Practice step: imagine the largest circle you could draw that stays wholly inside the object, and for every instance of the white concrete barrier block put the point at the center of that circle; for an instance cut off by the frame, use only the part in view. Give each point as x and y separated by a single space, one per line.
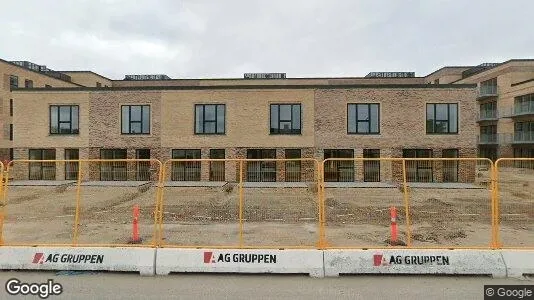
172 260
518 263
121 259
404 261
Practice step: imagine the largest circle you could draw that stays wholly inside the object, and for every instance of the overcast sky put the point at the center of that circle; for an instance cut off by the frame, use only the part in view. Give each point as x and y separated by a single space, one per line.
226 38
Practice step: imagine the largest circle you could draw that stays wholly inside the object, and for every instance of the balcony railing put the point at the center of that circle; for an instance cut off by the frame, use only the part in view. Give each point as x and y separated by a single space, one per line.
488 115
524 137
520 110
486 91
496 138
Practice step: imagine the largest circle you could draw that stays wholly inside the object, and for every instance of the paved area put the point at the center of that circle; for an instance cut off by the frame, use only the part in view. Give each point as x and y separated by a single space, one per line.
205 286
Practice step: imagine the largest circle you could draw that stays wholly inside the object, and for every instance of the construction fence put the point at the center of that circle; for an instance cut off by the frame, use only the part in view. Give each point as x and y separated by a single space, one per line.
269 203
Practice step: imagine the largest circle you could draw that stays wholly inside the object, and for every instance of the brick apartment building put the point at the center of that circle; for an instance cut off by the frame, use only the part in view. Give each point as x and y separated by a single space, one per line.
50 114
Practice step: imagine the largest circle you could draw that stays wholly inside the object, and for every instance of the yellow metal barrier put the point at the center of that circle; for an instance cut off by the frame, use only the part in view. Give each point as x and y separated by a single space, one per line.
514 205
241 203
81 202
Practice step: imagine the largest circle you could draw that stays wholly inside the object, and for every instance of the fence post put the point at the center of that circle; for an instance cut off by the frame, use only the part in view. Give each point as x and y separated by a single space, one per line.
495 211
406 205
321 203
77 212
241 204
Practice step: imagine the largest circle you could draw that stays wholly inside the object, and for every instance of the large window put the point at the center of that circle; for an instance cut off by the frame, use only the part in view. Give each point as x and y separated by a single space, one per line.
450 168
135 119
186 170
64 119
371 168
71 168
42 170
11 107
524 152
442 118
10 132
261 171
418 170
143 167
217 167
292 167
524 104
363 118
113 170
210 118
339 170
286 119
13 81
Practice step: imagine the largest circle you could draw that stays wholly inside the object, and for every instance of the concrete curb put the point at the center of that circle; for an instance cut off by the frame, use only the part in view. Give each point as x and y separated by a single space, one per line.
518 263
121 259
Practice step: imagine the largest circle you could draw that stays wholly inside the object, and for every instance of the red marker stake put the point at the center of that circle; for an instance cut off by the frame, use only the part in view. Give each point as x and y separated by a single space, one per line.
393 212
135 237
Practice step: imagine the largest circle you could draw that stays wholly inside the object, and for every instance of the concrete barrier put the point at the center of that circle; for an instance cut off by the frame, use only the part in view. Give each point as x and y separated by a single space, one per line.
171 260
404 261
518 263
123 259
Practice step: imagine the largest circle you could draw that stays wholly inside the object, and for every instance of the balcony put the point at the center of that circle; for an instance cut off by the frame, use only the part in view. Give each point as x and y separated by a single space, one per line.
488 115
494 139
487 91
523 110
524 137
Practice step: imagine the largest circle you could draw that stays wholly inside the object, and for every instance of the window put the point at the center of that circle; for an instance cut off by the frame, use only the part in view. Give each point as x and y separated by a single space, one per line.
292 167
217 167
488 87
210 118
11 107
339 170
488 134
135 119
286 119
450 168
10 132
98 84
442 118
524 132
524 152
42 170
64 119
13 81
488 110
11 154
524 104
28 83
418 170
261 171
371 168
186 170
363 118
488 152
71 168
143 167
113 170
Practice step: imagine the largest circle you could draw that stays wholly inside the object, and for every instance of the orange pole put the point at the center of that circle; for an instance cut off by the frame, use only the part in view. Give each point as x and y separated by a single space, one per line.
393 213
135 237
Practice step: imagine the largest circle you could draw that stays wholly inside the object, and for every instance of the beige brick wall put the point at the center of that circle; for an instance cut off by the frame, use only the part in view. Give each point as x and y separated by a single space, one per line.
402 118
88 78
247 118
32 119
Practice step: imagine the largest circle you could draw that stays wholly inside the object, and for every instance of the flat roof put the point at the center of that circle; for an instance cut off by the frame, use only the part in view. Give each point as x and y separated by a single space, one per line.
40 73
251 87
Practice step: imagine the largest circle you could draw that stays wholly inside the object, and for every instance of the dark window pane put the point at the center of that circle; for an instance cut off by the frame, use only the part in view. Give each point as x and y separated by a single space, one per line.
363 112
441 111
374 118
64 127
209 112
199 119
363 127
221 118
146 119
209 127
125 119
135 113
351 115
285 112
274 117
296 117
75 121
453 117
64 113
135 127
54 119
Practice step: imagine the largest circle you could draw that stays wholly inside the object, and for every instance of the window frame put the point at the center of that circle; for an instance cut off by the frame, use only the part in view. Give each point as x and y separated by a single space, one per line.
11 132
141 122
11 107
196 131
273 131
434 120
363 121
13 79
59 122
28 83
69 166
114 165
196 166
42 165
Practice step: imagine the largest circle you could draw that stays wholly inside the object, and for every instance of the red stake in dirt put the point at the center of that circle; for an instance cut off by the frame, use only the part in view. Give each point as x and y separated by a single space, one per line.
135 237
393 212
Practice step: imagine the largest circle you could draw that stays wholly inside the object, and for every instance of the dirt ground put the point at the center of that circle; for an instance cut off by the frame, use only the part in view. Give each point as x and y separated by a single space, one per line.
355 217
